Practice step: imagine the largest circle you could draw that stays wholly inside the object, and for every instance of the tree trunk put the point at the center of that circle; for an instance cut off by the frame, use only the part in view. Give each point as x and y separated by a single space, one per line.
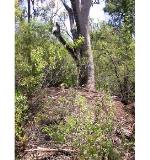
29 11
83 56
86 76
86 70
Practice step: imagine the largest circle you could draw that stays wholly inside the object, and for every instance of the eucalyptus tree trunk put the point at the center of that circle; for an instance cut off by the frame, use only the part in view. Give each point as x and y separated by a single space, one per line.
86 75
79 26
29 11
28 50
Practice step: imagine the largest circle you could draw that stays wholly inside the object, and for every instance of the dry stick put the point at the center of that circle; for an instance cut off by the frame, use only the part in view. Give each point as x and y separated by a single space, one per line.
50 150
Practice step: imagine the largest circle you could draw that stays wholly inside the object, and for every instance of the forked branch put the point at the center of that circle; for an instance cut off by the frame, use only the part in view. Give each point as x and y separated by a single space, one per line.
57 34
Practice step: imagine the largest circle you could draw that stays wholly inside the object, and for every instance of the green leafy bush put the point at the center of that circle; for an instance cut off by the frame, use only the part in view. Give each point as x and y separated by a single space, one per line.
114 61
40 59
20 115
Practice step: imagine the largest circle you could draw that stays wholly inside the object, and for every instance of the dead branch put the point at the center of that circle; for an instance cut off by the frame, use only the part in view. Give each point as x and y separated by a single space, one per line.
51 150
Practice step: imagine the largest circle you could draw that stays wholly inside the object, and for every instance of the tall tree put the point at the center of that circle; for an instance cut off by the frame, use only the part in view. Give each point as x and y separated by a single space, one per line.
79 27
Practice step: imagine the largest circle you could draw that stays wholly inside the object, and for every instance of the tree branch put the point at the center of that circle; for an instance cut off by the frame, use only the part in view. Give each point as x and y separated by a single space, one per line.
61 39
72 20
51 150
76 7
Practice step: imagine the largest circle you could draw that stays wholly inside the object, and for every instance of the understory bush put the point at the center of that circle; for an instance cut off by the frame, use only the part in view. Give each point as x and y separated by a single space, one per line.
20 116
114 61
40 60
88 128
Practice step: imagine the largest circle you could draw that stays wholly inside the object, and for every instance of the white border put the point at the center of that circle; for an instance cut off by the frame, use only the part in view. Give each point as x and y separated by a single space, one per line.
142 132
7 80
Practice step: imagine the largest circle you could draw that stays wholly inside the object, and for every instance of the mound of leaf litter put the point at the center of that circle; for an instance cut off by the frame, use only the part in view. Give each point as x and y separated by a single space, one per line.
75 124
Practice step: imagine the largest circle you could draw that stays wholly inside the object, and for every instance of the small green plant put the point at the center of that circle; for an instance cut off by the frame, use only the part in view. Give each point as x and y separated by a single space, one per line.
20 116
77 42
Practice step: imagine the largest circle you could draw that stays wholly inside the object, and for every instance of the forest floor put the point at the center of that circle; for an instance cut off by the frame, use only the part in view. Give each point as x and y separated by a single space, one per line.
44 111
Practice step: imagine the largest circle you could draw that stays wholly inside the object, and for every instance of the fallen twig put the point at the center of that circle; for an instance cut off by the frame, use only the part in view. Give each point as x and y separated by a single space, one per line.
50 150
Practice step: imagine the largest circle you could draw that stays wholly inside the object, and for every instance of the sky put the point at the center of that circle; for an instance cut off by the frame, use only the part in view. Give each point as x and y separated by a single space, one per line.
97 13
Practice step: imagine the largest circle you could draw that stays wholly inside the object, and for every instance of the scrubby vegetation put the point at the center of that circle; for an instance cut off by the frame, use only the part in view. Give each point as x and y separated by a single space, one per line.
71 119
114 61
82 127
53 111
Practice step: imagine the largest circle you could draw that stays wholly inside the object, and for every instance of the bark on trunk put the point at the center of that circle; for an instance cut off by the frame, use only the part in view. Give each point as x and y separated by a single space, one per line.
83 56
29 11
87 68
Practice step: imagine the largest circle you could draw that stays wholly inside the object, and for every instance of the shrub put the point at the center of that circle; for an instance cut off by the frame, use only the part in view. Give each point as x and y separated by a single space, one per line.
87 128
114 61
20 116
40 59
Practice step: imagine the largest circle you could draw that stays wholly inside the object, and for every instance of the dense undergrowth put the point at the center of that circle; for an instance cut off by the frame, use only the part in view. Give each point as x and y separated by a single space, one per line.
21 116
83 126
73 119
